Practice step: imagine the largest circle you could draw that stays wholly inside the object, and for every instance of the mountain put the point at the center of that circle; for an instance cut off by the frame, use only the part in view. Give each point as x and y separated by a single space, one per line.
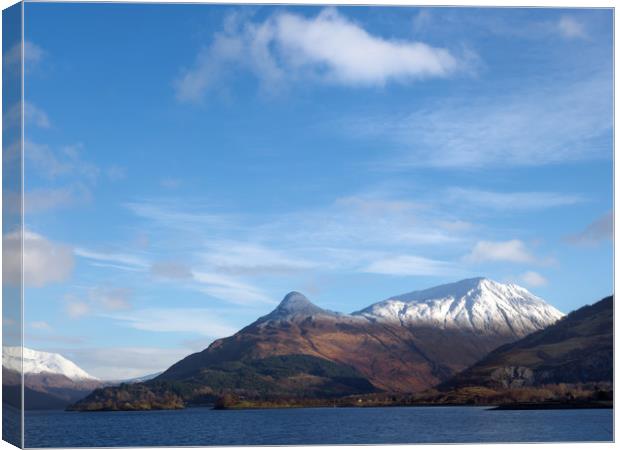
399 345
51 381
576 349
478 305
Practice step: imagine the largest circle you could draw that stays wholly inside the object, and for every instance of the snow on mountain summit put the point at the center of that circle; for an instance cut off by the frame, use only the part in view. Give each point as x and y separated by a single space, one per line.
36 362
477 304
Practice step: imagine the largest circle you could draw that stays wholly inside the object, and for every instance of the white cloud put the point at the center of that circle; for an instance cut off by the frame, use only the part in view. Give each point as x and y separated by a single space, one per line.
44 261
511 251
533 279
601 229
328 48
410 265
511 201
570 27
345 53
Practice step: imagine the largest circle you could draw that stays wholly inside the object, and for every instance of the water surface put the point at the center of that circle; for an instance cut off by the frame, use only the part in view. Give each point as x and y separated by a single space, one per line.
203 426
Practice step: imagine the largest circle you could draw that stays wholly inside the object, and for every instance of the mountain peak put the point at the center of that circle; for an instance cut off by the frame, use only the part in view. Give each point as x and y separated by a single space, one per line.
294 300
295 304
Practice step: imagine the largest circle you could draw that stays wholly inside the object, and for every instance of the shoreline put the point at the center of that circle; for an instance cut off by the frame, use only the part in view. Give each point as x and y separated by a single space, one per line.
522 406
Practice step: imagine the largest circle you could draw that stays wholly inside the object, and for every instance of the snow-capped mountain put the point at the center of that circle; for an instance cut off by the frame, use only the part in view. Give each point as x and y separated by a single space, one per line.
38 362
477 304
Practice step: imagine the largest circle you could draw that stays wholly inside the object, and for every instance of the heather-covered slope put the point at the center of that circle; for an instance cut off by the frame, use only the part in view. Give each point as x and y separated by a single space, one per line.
577 349
276 377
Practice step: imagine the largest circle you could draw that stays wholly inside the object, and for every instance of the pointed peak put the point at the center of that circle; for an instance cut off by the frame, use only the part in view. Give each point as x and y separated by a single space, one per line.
294 299
295 304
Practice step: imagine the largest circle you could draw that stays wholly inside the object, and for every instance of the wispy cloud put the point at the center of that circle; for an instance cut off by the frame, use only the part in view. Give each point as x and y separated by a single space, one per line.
512 201
75 307
234 257
33 54
167 214
64 162
548 124
229 288
410 265
600 230
96 299
32 114
203 321
326 48
120 259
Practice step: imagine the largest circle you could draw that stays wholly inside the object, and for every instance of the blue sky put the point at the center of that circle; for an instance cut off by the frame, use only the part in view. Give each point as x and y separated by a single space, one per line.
188 165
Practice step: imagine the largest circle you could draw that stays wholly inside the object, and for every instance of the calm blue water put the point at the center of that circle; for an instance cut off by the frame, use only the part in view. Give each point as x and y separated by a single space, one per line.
202 426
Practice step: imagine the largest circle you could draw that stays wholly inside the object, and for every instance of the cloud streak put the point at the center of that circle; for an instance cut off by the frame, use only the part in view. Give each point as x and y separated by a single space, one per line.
203 321
410 265
538 126
511 201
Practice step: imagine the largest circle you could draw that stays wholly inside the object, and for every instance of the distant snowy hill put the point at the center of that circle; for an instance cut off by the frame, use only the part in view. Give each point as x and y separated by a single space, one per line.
51 381
477 304
140 379
38 362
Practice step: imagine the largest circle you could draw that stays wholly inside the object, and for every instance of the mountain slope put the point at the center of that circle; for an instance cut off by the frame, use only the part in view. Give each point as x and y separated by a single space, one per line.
577 349
272 378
